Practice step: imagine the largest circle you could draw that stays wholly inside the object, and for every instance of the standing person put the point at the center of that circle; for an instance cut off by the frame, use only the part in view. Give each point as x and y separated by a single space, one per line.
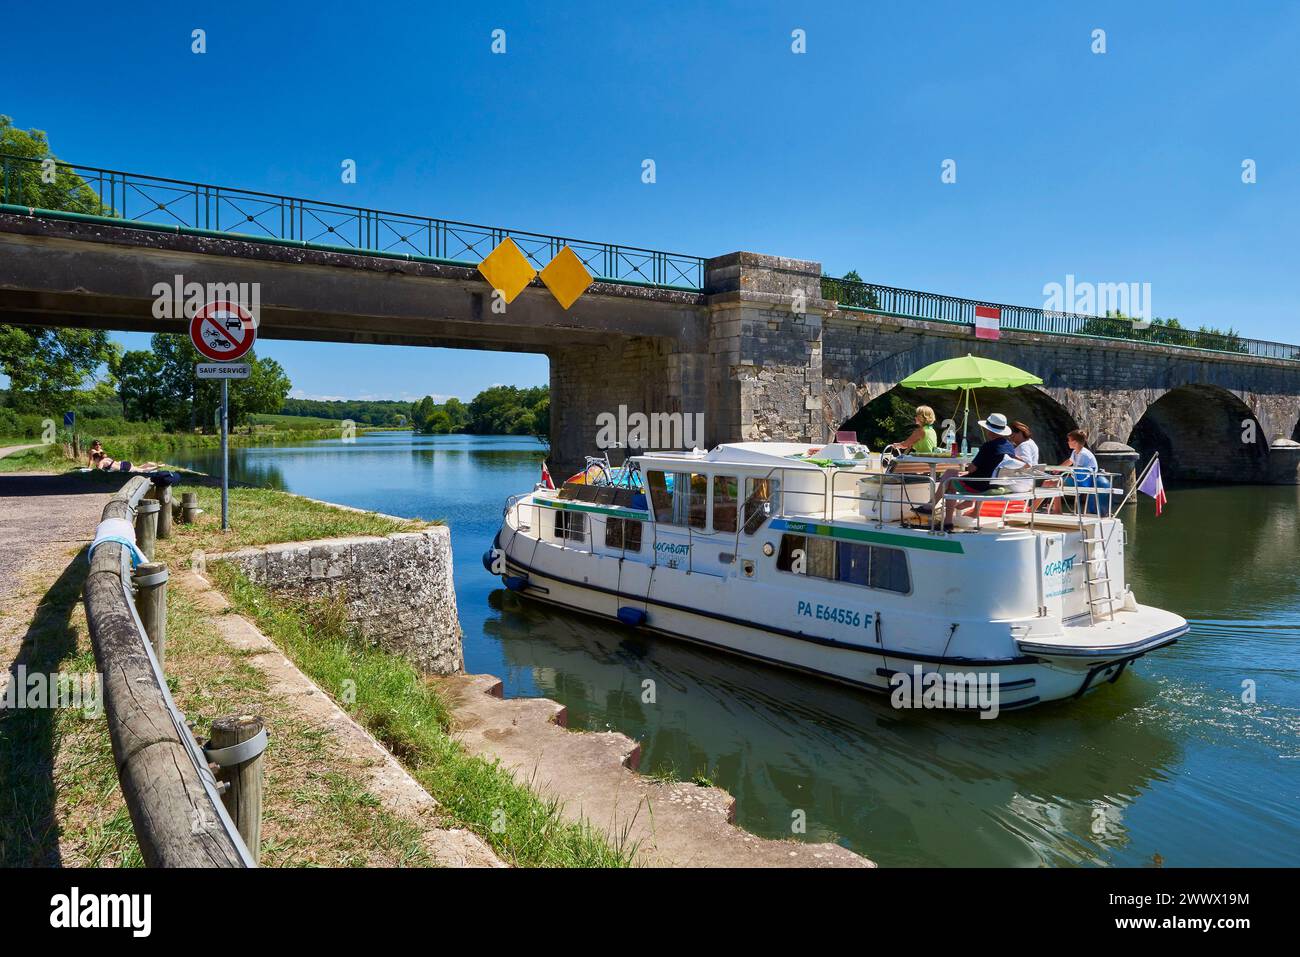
997 446
922 441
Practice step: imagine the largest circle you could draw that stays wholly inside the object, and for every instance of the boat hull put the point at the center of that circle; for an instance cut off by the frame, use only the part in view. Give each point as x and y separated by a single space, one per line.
986 685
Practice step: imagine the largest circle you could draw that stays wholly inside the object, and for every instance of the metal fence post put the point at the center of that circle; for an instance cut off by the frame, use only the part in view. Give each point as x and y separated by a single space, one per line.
150 580
146 525
237 746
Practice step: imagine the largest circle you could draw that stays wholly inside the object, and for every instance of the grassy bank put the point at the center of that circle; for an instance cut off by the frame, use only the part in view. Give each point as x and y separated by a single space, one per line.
43 458
264 516
392 700
409 718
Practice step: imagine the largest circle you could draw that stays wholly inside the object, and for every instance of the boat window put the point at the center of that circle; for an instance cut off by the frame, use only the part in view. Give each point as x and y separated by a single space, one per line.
802 555
889 569
726 490
681 497
699 501
623 533
661 497
872 566
570 526
762 500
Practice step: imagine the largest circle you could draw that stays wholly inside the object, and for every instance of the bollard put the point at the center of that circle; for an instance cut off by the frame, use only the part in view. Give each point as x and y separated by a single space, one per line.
164 496
241 769
189 507
146 526
150 581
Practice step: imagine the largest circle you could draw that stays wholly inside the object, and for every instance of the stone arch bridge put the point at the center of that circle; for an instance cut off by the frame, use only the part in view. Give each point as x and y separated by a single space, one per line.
756 347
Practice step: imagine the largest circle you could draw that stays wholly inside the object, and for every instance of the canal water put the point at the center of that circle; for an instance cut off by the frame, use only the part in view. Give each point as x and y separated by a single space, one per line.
1174 765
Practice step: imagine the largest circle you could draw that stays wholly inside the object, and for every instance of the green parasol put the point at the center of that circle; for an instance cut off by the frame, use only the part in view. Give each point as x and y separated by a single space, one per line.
966 373
970 372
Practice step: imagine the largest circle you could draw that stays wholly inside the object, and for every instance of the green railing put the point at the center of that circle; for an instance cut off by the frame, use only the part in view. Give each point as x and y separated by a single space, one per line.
132 198
869 297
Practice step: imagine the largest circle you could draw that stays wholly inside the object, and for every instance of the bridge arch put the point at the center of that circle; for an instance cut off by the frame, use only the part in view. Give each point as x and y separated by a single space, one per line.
887 416
1203 433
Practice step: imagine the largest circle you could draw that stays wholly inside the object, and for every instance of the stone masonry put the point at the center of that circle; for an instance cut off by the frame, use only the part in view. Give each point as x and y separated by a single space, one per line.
398 591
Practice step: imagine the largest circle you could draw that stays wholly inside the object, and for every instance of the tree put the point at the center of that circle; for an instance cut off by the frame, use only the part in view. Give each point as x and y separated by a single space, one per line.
45 365
140 384
40 184
849 291
194 402
509 410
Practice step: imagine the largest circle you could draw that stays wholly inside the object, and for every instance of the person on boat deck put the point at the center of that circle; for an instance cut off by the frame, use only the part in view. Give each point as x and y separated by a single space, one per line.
1082 461
1026 456
922 441
972 480
95 447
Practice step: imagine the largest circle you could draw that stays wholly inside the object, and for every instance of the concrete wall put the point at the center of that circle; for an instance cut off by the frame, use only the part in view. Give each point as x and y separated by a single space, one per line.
398 590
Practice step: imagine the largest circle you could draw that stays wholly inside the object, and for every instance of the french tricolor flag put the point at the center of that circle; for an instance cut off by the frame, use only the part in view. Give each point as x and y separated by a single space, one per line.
988 321
1154 485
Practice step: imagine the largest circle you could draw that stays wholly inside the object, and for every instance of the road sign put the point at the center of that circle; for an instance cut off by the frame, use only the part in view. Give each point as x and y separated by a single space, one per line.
69 419
223 370
223 331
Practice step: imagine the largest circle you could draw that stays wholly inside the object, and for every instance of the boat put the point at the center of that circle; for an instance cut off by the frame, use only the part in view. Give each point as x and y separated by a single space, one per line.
827 560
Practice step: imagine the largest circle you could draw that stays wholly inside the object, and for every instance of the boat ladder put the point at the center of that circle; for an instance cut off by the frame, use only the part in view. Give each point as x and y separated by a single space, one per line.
1096 566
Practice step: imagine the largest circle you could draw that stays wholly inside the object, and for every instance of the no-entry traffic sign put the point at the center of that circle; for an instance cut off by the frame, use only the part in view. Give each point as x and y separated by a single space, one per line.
223 331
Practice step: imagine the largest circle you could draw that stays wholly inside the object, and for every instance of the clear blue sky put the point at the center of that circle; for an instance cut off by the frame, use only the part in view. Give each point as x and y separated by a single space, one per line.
1119 167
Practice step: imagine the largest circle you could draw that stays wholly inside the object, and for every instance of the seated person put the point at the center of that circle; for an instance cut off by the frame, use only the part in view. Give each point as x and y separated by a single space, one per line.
985 464
95 447
1082 461
106 463
922 441
1026 456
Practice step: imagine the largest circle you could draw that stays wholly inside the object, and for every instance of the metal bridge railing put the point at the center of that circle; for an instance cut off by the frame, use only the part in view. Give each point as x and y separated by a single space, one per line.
869 297
133 198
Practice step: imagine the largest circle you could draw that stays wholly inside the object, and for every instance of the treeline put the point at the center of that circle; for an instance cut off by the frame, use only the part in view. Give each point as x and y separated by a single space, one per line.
500 410
362 411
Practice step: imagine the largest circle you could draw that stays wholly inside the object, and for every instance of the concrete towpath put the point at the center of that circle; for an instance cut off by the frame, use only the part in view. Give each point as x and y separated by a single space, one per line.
44 514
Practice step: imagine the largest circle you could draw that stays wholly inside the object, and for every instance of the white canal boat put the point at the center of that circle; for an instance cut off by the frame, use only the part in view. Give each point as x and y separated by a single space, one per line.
818 559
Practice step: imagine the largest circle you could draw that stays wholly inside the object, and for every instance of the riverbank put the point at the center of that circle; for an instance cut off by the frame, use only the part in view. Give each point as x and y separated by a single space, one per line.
29 453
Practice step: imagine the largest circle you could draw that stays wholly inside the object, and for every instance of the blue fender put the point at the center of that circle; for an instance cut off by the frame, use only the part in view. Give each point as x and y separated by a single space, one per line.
632 617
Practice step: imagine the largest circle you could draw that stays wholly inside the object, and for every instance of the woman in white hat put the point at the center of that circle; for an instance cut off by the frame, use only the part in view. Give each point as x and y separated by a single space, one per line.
974 479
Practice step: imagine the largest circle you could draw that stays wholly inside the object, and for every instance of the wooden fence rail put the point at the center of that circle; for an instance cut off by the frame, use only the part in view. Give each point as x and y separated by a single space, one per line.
172 795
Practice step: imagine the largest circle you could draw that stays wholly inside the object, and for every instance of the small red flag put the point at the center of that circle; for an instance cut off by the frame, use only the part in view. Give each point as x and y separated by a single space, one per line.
546 477
988 321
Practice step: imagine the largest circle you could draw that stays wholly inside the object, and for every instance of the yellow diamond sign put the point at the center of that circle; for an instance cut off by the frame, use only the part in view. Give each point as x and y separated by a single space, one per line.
507 269
566 277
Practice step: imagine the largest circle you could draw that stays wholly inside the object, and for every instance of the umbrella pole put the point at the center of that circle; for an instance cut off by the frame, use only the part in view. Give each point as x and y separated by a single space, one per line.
965 421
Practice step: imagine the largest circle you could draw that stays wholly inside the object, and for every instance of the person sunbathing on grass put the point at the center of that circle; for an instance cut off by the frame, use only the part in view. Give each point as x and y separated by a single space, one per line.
106 463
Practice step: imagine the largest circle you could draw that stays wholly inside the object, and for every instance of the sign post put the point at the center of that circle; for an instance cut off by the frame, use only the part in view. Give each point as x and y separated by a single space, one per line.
223 332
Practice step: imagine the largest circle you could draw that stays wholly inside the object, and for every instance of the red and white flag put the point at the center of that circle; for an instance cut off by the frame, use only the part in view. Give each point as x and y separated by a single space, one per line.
988 321
1154 485
546 477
